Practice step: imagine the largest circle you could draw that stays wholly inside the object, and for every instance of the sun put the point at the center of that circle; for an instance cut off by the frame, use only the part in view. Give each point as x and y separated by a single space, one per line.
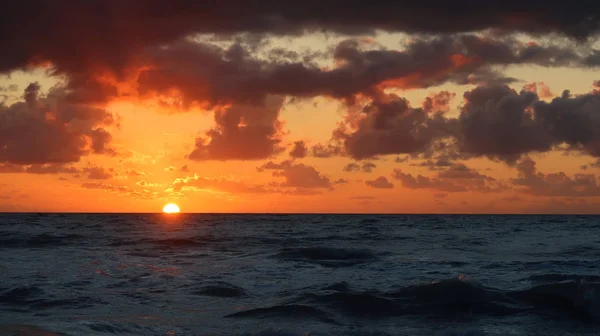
171 208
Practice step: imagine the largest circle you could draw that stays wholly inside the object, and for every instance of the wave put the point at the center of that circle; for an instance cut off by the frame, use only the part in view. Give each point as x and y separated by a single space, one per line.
220 289
445 299
301 312
19 295
26 330
327 256
32 297
41 241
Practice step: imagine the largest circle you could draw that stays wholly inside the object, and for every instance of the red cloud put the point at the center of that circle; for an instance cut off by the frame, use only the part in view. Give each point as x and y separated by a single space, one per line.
50 129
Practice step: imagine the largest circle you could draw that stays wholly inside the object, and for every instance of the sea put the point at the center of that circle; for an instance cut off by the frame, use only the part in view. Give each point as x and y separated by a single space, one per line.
303 275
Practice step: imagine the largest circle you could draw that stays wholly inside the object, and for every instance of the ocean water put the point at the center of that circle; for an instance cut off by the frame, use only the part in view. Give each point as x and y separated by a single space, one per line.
197 274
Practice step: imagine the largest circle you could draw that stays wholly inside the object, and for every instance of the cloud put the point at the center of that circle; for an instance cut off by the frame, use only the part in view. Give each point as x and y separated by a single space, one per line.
98 173
242 132
326 151
363 198
539 88
220 184
368 167
390 125
170 169
495 122
439 163
299 150
146 184
58 28
532 182
64 132
352 167
438 102
341 181
135 173
185 169
38 169
457 178
381 183
124 190
297 175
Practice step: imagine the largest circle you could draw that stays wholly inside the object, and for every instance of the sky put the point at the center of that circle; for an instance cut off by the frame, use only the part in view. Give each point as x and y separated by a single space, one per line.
307 106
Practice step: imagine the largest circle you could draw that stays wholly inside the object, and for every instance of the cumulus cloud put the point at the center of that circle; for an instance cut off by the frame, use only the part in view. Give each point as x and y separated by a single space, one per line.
50 129
299 150
352 167
297 175
242 132
145 44
530 181
539 88
99 173
341 181
439 163
457 178
366 167
380 183
389 125
495 122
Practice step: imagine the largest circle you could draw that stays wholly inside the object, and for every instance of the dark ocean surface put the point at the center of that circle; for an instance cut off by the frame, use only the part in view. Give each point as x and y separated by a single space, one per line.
99 274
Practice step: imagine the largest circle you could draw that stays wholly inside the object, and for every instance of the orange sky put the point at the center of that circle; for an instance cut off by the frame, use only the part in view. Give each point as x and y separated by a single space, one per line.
150 161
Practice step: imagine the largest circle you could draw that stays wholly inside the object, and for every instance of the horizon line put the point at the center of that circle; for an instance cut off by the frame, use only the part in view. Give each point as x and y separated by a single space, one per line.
294 213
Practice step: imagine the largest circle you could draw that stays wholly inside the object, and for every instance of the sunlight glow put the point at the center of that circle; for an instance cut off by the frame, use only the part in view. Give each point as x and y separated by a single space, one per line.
171 208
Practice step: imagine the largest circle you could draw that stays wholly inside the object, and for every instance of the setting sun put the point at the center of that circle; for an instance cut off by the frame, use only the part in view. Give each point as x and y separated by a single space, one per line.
171 208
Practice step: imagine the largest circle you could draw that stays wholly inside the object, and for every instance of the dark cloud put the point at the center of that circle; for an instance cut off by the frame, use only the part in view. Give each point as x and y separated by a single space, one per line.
352 167
499 122
326 151
403 159
144 43
457 178
299 150
495 122
99 173
368 167
390 125
438 102
49 129
341 181
532 182
111 33
380 183
242 132
185 169
297 175
437 164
